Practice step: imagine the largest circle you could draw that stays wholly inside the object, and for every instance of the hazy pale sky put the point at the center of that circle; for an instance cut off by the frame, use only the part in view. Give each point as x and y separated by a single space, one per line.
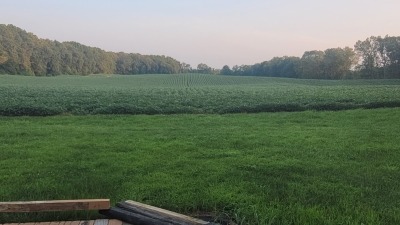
215 32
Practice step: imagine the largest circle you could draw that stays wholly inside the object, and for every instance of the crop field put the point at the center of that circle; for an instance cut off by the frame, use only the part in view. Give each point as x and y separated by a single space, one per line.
187 93
267 168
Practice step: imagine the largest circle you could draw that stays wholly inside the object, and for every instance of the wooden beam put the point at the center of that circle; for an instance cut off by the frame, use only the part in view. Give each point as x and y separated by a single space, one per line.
114 222
165 214
132 218
55 205
138 213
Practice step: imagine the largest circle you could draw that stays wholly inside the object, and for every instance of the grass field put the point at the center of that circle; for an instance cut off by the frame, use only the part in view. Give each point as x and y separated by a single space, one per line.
268 168
187 93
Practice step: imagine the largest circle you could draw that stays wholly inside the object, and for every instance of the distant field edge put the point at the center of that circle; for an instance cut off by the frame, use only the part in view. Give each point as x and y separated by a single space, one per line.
130 109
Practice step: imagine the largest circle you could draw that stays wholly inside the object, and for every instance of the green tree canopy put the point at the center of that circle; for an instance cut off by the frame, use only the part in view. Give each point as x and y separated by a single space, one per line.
24 53
204 68
226 70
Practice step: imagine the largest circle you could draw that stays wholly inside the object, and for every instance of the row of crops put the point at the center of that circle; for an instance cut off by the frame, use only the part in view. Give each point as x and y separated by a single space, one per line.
187 93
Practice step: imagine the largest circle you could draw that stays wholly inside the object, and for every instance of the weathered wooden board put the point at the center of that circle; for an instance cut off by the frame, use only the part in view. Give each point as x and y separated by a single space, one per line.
43 223
83 222
142 214
132 218
114 222
30 223
55 223
101 222
55 205
160 213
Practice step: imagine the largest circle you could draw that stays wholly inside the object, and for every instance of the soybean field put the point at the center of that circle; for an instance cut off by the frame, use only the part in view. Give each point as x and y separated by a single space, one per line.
187 93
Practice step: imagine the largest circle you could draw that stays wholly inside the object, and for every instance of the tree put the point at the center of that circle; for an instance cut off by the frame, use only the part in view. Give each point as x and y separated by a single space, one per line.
226 70
312 64
186 68
380 57
24 53
3 57
284 67
203 68
368 51
389 52
337 62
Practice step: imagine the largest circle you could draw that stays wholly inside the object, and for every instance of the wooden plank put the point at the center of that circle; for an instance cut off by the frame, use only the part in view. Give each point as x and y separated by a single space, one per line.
28 223
160 213
114 222
56 205
65 223
133 218
101 222
138 213
86 222
43 223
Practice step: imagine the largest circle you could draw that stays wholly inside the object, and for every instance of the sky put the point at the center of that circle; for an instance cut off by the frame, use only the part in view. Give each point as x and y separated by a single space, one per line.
214 32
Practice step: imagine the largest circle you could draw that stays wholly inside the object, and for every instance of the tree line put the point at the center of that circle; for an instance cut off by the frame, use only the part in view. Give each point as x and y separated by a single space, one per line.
375 57
24 53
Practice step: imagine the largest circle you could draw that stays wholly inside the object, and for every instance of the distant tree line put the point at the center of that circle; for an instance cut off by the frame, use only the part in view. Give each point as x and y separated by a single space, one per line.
376 57
201 68
24 53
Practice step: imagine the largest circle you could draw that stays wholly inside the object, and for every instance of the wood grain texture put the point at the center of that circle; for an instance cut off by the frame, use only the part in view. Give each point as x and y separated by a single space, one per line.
83 222
161 213
101 222
55 205
114 222
138 213
133 218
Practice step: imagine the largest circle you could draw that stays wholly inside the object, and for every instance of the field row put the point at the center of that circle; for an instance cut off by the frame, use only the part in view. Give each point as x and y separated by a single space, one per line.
167 94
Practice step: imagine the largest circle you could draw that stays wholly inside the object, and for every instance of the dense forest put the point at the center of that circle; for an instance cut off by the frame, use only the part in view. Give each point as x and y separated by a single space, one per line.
26 54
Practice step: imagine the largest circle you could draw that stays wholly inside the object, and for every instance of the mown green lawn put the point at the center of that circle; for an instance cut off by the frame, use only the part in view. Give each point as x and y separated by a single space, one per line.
267 168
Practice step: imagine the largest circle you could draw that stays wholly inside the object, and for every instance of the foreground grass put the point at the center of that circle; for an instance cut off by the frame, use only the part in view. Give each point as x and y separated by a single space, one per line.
284 168
187 93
